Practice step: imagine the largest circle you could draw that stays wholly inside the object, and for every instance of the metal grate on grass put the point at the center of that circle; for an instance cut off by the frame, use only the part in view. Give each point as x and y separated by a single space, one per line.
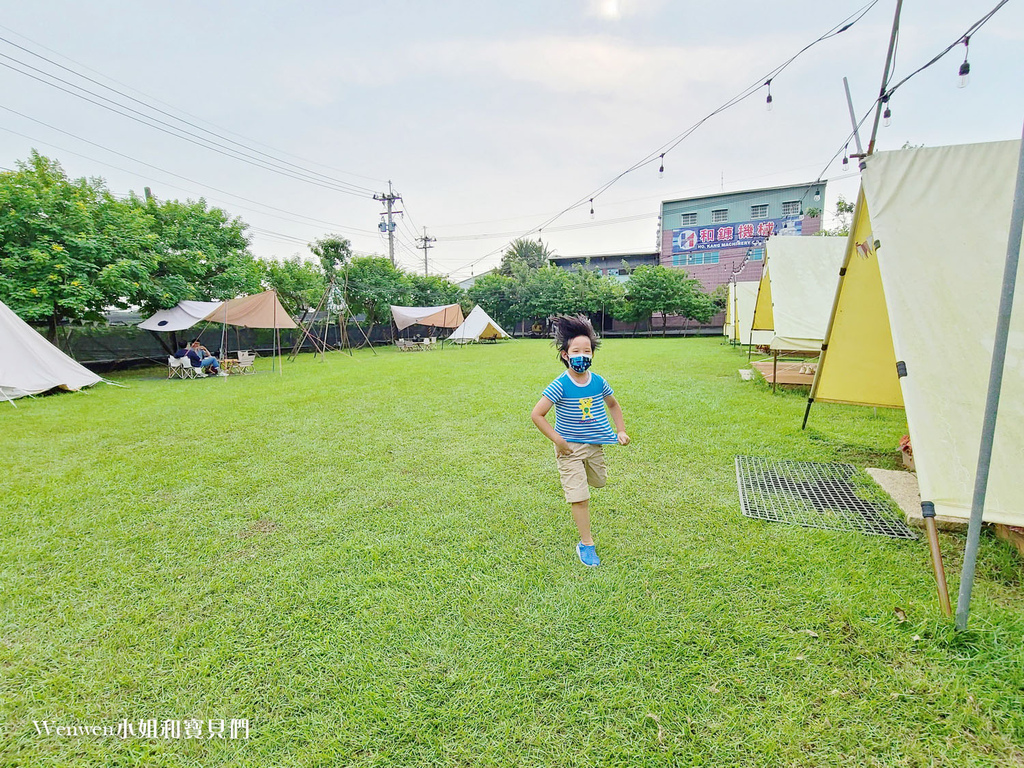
815 496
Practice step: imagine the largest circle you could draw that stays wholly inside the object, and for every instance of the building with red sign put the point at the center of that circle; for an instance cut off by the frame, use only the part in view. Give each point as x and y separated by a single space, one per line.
720 238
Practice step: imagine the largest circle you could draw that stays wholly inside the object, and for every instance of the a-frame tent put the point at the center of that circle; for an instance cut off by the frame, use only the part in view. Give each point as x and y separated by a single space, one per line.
30 365
795 294
729 326
745 300
857 364
924 268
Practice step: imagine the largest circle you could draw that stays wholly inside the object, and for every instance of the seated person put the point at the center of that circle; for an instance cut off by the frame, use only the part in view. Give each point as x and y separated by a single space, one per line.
200 357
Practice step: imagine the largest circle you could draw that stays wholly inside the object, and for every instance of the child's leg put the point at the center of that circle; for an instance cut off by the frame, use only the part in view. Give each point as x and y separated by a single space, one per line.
581 516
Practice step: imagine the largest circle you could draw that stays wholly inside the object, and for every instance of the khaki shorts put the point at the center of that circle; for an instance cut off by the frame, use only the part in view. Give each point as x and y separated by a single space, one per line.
584 466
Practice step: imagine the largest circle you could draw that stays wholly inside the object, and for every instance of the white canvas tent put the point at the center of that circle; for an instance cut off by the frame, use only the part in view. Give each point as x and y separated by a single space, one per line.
795 294
29 364
744 301
178 318
939 226
477 326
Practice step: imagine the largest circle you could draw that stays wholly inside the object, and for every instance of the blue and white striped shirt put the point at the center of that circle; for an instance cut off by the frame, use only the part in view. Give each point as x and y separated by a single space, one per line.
580 415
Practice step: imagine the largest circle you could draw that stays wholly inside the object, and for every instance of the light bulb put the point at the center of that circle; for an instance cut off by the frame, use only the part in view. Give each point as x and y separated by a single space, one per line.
887 118
846 163
591 207
965 74
661 168
768 103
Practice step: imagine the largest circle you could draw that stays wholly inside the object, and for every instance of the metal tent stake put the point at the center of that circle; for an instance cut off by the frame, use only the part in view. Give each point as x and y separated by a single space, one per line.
995 381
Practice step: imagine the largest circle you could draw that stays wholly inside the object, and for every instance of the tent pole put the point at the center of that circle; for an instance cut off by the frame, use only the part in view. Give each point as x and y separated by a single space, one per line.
995 382
775 368
928 513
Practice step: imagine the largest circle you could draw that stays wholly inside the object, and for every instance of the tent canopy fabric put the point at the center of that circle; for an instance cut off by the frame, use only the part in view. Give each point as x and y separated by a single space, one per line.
184 315
800 274
746 294
941 217
858 364
448 316
261 310
478 325
29 364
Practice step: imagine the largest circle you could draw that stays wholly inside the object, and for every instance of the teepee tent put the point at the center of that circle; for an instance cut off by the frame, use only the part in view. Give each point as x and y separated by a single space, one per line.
29 364
477 326
938 230
796 290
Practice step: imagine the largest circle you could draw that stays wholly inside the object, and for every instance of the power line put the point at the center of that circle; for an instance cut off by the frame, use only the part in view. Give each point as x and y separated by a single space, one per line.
179 109
180 133
172 116
762 81
164 170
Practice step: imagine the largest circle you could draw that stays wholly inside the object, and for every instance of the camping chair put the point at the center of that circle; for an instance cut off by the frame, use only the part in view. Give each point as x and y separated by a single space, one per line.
182 368
402 344
246 362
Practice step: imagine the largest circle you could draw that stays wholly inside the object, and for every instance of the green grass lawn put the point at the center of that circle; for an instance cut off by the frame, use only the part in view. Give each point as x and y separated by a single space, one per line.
369 558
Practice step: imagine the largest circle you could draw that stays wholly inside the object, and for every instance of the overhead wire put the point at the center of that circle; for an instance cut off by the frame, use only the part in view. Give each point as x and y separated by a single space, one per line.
659 153
180 133
183 111
164 170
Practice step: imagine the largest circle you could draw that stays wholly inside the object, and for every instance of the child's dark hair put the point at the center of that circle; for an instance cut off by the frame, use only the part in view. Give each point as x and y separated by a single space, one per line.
567 328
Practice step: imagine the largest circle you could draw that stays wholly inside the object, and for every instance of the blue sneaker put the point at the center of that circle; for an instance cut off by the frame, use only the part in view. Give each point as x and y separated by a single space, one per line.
588 554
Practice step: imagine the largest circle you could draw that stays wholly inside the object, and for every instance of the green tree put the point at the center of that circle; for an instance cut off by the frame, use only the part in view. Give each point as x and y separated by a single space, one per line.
372 284
844 219
68 249
432 291
532 253
300 285
200 253
543 292
499 295
655 288
334 252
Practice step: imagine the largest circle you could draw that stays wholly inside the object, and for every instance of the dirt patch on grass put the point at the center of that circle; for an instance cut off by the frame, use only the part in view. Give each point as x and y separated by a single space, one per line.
259 527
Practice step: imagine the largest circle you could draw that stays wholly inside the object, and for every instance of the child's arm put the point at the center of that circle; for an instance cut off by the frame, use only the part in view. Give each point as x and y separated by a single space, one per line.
615 410
539 416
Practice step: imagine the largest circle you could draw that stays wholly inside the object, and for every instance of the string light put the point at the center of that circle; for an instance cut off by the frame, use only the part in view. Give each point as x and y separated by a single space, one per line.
661 168
591 207
887 114
768 101
965 68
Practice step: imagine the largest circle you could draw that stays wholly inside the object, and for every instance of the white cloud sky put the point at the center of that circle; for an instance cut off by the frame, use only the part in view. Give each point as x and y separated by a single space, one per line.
491 117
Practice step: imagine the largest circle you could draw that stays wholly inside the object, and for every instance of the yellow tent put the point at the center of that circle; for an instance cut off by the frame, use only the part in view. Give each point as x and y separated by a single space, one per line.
921 286
861 367
796 290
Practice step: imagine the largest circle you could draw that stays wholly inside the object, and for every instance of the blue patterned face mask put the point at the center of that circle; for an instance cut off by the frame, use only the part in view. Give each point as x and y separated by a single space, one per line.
580 363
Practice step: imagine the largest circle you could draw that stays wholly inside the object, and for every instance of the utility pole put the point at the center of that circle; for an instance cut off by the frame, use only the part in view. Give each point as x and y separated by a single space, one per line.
426 243
389 225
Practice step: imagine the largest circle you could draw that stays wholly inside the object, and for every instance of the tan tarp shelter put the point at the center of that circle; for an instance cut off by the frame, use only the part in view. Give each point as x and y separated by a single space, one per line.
178 318
477 326
29 364
745 299
448 316
798 284
938 231
262 310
